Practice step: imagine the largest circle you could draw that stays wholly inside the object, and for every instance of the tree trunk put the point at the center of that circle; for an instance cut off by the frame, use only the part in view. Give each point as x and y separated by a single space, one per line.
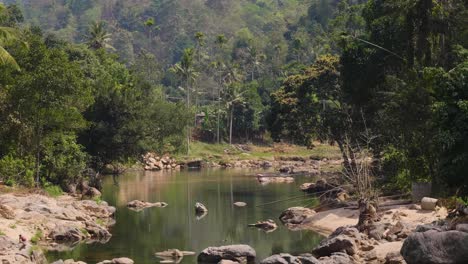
230 125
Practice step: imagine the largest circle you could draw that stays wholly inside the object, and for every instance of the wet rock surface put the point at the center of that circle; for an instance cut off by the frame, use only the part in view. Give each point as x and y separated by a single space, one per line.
138 205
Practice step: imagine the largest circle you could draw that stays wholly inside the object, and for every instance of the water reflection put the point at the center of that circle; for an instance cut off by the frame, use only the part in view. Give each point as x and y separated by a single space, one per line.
138 235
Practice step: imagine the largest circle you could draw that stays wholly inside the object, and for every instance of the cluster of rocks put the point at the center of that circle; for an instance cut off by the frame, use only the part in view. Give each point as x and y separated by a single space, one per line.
154 162
440 242
55 224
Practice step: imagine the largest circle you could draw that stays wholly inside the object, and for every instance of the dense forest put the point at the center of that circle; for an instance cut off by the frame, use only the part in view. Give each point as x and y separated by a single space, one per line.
87 83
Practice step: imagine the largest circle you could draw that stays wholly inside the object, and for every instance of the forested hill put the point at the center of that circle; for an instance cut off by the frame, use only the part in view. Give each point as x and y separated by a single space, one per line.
166 27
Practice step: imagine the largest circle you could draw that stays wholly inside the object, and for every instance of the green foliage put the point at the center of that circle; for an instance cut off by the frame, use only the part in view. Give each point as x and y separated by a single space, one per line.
16 170
52 190
37 237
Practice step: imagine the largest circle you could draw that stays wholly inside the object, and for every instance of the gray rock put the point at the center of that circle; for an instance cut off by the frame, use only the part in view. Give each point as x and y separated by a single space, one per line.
92 193
118 261
433 247
232 252
66 234
336 258
281 259
240 204
462 228
340 243
394 258
308 259
200 208
296 215
429 227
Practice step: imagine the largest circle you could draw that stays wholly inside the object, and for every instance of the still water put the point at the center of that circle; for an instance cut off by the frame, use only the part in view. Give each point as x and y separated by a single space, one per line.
138 235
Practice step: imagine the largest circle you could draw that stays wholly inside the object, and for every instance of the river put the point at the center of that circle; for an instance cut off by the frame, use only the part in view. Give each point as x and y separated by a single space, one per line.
138 235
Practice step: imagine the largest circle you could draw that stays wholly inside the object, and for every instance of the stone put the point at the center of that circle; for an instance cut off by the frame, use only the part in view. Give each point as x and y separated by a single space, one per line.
428 227
433 247
296 215
92 193
394 258
415 207
118 261
240 204
66 234
340 243
38 257
231 252
226 261
140 205
462 228
308 259
200 208
281 259
428 203
268 225
336 258
7 212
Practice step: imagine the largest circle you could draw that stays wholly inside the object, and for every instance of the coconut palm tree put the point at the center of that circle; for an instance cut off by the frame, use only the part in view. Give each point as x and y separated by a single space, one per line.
98 37
7 35
186 70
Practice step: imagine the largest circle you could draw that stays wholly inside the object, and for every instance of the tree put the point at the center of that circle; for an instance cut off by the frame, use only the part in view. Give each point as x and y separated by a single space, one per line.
186 71
98 37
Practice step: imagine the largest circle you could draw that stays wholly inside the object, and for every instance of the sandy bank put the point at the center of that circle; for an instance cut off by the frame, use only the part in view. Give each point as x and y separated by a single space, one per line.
328 221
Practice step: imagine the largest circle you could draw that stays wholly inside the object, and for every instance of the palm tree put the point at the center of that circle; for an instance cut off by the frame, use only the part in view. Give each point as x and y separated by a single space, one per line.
98 37
7 35
234 98
186 70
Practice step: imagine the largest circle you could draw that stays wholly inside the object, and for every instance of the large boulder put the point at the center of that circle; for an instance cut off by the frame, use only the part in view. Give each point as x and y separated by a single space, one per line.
296 215
66 234
433 247
336 258
281 259
340 243
232 252
6 211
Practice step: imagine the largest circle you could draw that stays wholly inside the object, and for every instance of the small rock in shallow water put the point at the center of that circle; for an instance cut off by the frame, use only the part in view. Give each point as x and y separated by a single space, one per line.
240 204
200 208
232 252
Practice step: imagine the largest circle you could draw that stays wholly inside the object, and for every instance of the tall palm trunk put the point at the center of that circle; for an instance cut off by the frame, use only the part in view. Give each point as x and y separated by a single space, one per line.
230 124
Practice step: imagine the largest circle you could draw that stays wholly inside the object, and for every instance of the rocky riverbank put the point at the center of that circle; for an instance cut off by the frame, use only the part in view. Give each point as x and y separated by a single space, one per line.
32 222
382 244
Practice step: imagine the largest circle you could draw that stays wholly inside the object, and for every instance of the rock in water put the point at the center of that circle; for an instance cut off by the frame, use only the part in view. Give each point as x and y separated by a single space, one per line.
140 205
240 204
282 259
296 215
432 247
268 225
232 252
200 208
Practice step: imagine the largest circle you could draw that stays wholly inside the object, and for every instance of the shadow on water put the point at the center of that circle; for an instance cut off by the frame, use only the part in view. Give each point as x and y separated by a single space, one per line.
138 235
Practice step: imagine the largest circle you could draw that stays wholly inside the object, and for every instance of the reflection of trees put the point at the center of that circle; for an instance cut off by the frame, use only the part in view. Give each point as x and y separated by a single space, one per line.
140 235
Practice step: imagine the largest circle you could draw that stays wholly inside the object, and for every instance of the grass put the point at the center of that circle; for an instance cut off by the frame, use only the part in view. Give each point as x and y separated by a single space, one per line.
13 226
53 190
37 237
98 200
2 233
226 152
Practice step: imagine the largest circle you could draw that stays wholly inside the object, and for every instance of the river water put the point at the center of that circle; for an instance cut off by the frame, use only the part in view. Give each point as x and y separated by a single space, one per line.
138 235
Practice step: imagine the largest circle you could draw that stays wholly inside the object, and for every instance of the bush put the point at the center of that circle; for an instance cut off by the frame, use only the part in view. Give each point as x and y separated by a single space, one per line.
53 190
15 170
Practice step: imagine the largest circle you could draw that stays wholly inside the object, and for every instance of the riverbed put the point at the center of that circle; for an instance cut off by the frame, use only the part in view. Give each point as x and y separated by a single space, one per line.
138 235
